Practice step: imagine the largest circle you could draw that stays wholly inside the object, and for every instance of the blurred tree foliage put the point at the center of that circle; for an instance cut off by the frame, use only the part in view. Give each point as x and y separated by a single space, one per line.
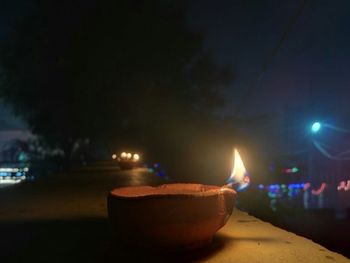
113 72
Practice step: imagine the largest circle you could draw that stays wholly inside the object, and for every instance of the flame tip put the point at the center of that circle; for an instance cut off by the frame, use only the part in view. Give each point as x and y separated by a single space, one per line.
239 175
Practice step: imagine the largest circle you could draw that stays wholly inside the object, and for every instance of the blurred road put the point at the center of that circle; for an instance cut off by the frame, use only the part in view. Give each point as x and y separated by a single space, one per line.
63 217
80 193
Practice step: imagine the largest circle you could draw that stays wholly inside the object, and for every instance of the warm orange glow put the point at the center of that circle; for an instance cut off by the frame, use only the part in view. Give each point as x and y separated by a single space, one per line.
136 157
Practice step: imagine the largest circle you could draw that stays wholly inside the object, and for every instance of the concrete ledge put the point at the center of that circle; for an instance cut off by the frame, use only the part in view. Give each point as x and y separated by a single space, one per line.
60 219
248 239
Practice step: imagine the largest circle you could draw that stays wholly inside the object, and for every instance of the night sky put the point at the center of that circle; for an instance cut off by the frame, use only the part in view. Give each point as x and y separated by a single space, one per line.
10 11
310 68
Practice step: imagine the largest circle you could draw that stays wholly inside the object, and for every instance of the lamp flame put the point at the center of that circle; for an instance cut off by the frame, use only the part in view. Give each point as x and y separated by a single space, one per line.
239 176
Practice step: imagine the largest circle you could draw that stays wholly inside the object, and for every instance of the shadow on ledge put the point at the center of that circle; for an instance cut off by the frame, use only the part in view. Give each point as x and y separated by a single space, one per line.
83 240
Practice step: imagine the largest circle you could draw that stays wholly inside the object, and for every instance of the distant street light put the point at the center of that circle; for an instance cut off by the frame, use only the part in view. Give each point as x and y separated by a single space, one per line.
316 126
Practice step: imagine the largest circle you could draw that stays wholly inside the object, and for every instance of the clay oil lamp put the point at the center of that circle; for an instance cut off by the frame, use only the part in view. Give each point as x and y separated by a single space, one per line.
174 216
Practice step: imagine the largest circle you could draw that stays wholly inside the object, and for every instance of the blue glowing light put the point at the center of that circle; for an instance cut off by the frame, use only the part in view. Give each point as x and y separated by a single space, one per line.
261 186
161 173
316 126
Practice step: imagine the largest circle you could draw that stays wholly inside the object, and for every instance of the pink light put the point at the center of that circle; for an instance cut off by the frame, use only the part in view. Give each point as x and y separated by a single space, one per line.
319 190
344 186
306 186
246 180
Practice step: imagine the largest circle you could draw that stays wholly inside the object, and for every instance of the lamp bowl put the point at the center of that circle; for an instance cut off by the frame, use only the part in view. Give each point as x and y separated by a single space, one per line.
172 216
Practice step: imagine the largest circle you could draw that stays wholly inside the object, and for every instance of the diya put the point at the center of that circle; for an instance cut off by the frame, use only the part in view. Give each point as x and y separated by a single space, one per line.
175 216
171 215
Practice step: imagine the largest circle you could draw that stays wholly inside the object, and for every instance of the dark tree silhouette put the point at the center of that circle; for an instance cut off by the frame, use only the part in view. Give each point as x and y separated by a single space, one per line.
106 70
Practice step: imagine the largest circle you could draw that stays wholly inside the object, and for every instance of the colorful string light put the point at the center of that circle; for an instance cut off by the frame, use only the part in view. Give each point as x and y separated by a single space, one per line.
273 188
344 186
319 190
